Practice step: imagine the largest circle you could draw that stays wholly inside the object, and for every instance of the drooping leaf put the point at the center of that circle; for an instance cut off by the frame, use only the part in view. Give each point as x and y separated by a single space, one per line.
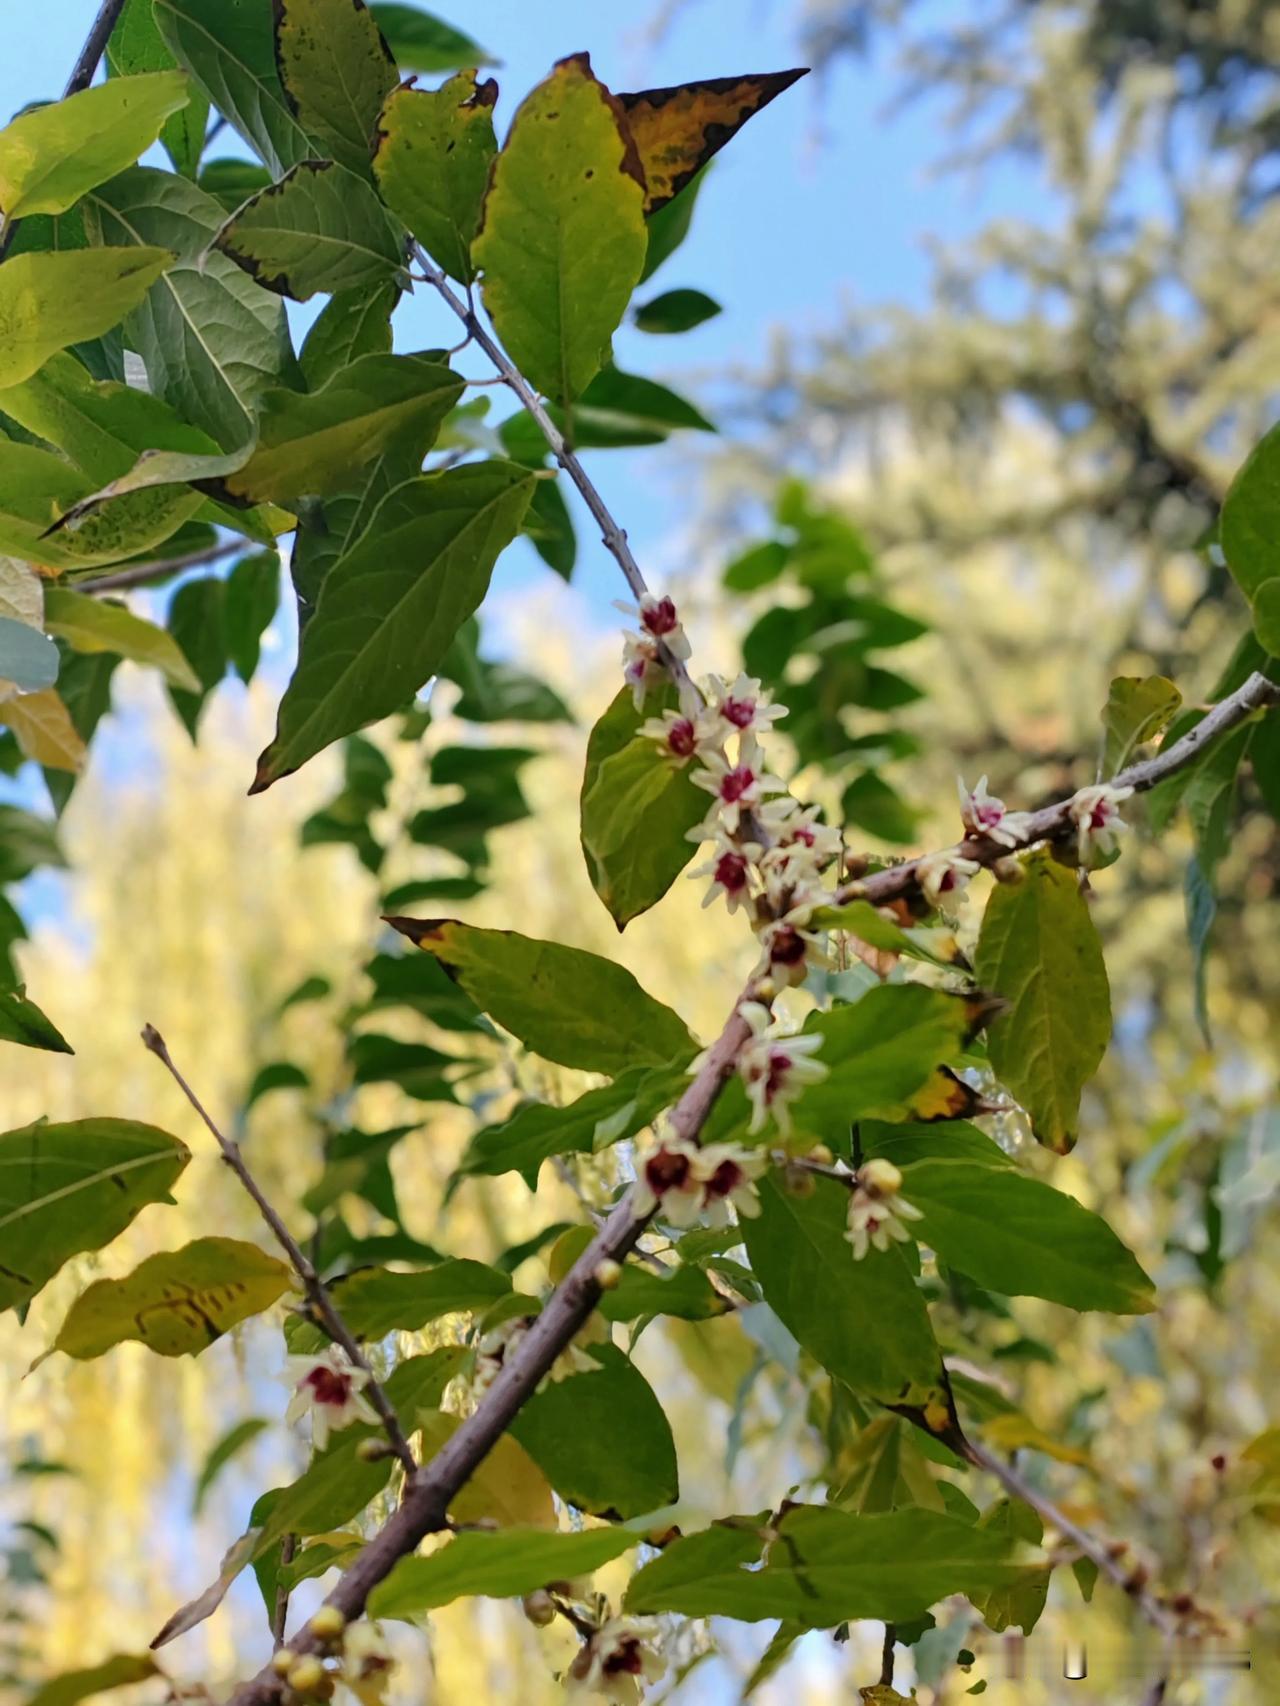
229 50
251 601
197 623
514 1561
203 1606
100 625
563 240
566 1005
21 1021
69 1188
44 730
602 1439
676 311
337 70
75 1685
212 341
25 842
678 130
508 1488
351 324
48 301
320 228
435 149
827 1566
422 42
1137 710
1249 531
176 1303
51 155
136 48
635 827
1039 951
866 1321
221 1453
1016 1604
1019 1236
38 489
390 608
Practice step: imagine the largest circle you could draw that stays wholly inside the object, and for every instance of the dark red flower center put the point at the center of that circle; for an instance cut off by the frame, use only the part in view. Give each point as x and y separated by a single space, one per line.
666 1171
327 1386
946 882
739 712
1099 816
987 815
682 737
737 782
626 1659
660 617
787 946
779 1067
731 872
725 1180
804 833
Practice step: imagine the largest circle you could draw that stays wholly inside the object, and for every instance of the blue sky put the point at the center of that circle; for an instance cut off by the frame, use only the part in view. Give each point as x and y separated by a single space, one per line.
820 201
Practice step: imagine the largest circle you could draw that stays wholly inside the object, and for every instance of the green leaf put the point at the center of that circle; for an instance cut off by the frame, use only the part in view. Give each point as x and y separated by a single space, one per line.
684 1293
668 226
1137 710
508 1488
1039 951
251 601
176 1303
421 42
879 1052
1266 615
619 409
1249 527
602 1440
377 1301
75 1685
25 842
337 71
69 1188
549 528
1019 1236
826 1566
869 924
21 1021
136 47
866 1321
563 240
537 1131
499 1566
28 658
676 311
231 182
636 820
435 149
871 804
319 228
230 1445
567 1005
197 622
229 49
99 625
212 341
351 324
389 609
38 489
51 155
48 301
1017 1604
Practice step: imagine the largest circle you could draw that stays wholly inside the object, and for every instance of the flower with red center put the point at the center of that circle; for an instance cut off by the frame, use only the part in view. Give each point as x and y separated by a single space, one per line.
876 1209
331 1388
791 948
642 668
616 1660
367 1663
744 707
737 787
775 1065
943 877
675 733
660 621
730 868
1096 815
729 1173
668 1183
985 818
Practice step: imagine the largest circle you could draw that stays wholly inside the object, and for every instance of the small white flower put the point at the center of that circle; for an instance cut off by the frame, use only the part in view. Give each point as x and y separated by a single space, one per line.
729 867
669 1182
800 830
618 1658
738 785
332 1389
791 948
775 1065
366 1662
1095 813
743 707
660 621
642 668
497 1345
985 817
676 734
943 876
729 1173
877 1210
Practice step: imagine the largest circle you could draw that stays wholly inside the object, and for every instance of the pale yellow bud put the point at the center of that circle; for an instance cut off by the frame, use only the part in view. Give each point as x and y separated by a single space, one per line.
283 1661
539 1608
880 1176
607 1274
307 1676
328 1623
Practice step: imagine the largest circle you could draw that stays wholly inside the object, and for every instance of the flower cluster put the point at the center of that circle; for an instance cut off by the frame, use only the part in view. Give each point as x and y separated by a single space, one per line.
616 1660
877 1210
331 1389
685 1183
775 1065
499 1342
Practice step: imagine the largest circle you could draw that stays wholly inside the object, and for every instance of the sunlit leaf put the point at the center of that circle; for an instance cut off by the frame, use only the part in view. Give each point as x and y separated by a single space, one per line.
337 70
435 149
136 48
1137 710
48 301
21 1021
501 1566
100 625
76 1685
508 1488
44 730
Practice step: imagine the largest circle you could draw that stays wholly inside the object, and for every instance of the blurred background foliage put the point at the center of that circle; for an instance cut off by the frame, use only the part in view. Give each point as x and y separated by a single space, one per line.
941 533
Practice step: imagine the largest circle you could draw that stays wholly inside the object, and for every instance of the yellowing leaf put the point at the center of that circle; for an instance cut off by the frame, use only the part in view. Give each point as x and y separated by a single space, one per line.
48 301
100 625
44 730
677 130
1013 1431
507 1488
76 1685
563 241
435 148
50 156
337 70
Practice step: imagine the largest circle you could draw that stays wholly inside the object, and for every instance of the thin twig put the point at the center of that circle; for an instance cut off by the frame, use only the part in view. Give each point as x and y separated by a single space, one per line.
280 1615
317 1292
143 573
1130 1580
886 1655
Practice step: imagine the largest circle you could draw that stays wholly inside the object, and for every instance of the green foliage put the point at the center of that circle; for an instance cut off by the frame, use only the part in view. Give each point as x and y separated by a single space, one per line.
676 311
1136 711
423 42
232 1443
563 242
21 1021
635 827
74 1187
1250 534
122 1671
503 1565
435 148
50 301
95 625
337 70
1039 952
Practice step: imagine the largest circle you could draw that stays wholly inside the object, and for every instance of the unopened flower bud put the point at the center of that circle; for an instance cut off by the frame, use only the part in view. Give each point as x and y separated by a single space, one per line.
798 1182
283 1661
821 1154
880 1176
539 1608
307 1675
328 1623
1009 870
373 1450
607 1274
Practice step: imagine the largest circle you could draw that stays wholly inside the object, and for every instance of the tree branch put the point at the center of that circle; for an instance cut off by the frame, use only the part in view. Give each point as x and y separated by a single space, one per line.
141 574
315 1288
